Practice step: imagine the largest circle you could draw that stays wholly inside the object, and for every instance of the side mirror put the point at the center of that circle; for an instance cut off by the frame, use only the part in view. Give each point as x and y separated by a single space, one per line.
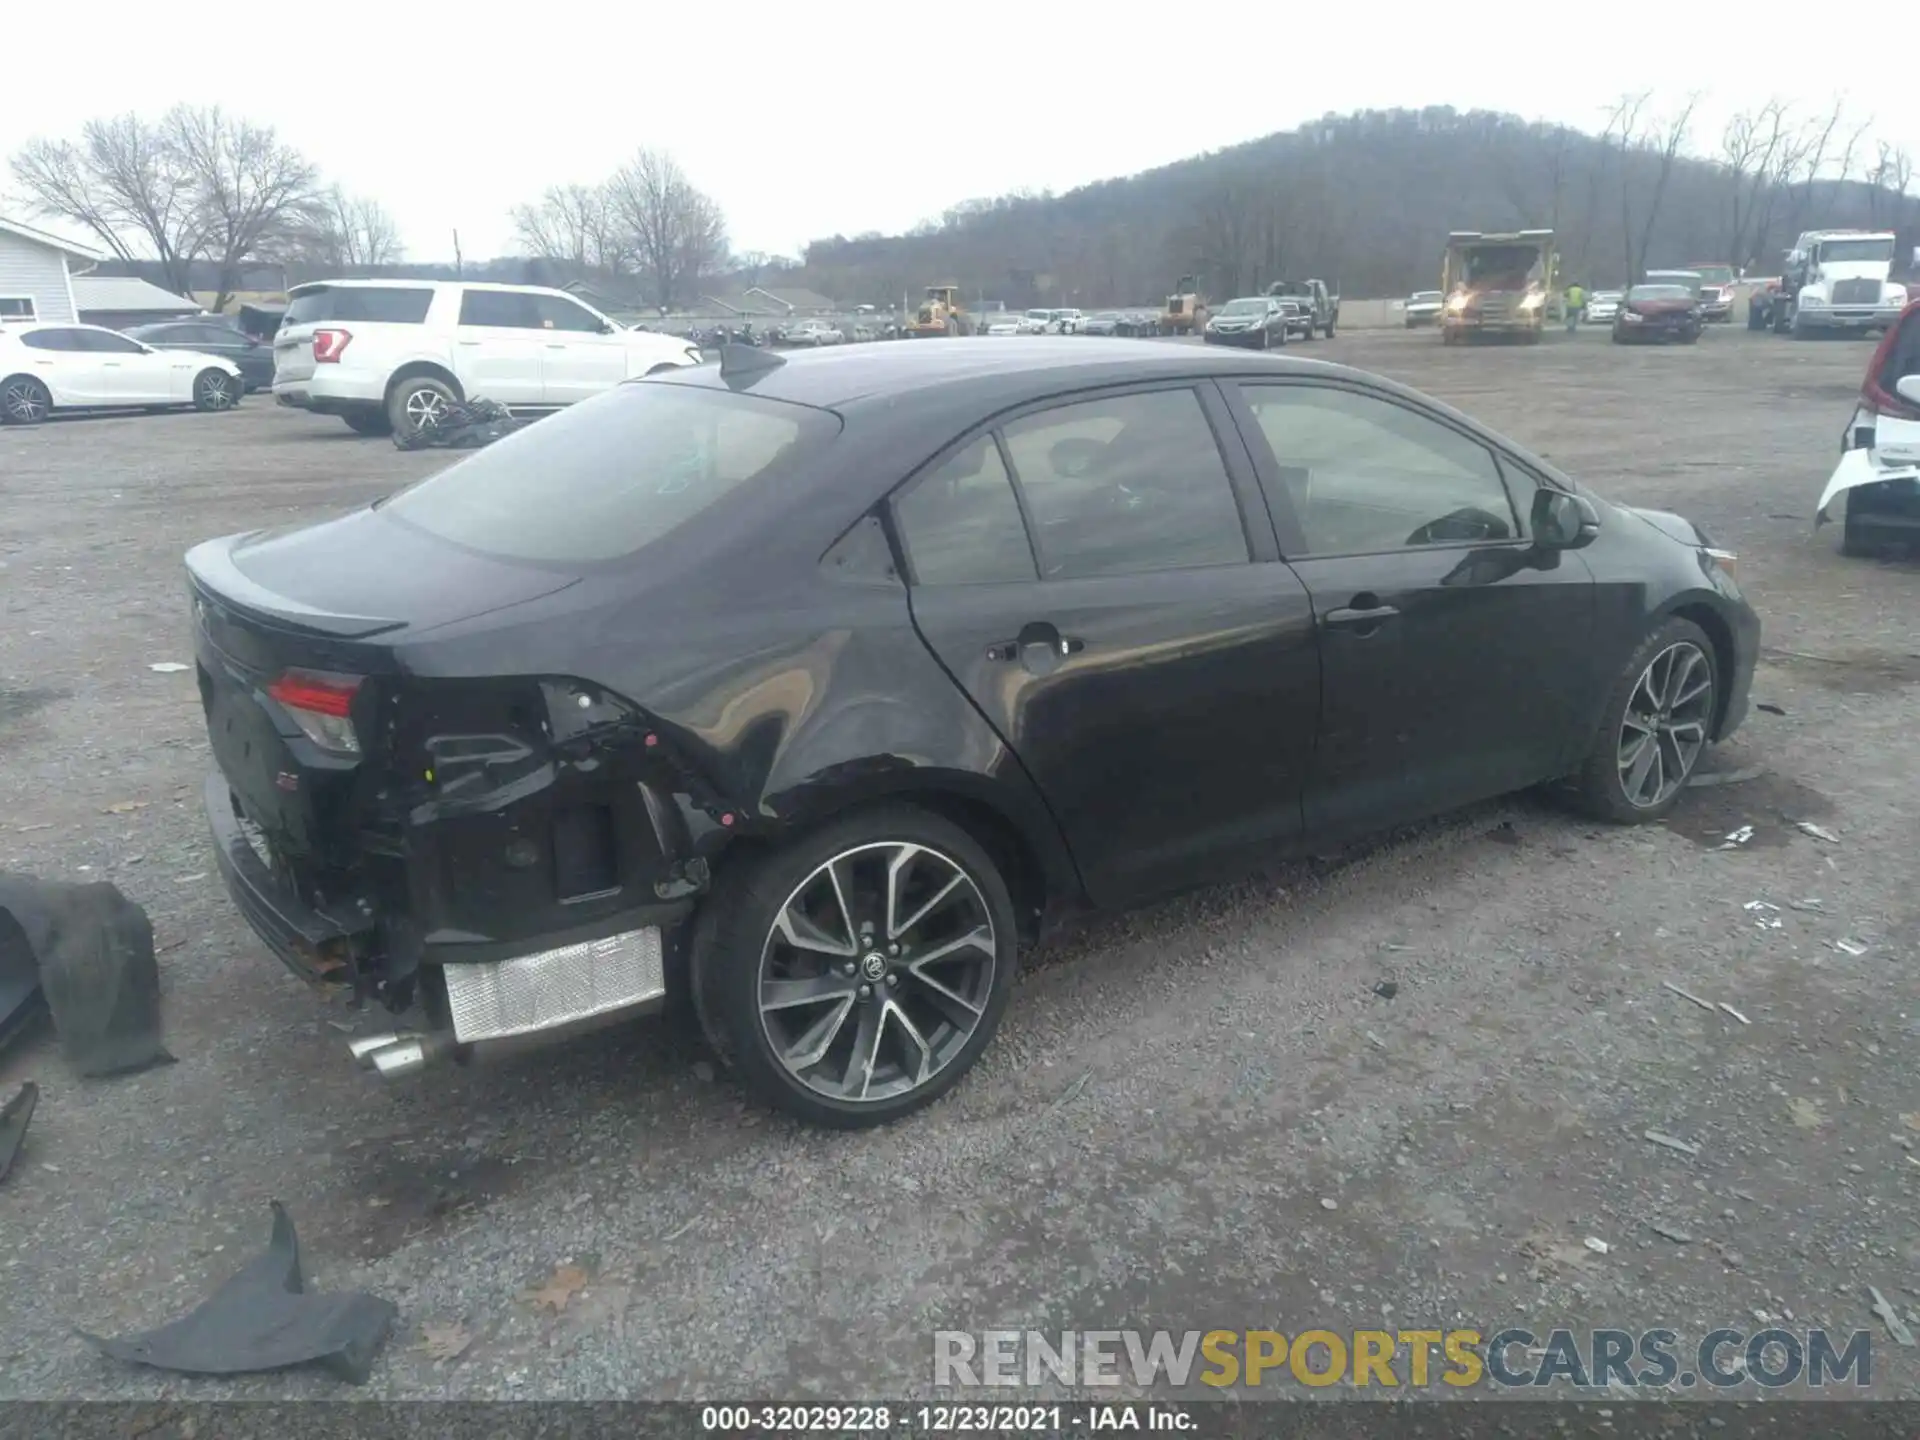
607 327
1562 521
1908 388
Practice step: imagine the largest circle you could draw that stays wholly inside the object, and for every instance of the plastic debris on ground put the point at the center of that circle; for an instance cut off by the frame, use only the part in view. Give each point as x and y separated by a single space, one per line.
264 1318
168 667
1818 832
1725 777
1596 1245
1735 839
92 949
15 1116
466 426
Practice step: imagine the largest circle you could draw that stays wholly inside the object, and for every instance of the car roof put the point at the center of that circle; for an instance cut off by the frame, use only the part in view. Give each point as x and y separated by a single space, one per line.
36 325
990 373
387 284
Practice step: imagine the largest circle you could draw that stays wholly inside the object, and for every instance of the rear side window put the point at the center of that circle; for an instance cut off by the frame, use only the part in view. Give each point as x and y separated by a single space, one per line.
55 340
1126 485
961 524
369 303
610 475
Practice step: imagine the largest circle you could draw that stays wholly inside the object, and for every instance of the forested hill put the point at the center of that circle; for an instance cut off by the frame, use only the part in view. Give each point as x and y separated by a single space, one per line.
1366 201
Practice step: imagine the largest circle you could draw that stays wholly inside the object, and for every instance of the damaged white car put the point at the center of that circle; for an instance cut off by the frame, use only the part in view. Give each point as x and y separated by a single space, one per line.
1879 469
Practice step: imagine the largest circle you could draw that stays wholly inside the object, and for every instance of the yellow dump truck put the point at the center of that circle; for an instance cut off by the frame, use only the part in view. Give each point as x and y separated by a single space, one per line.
1497 285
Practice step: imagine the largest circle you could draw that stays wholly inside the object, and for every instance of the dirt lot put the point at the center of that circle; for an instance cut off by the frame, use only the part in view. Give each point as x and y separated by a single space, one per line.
1177 1094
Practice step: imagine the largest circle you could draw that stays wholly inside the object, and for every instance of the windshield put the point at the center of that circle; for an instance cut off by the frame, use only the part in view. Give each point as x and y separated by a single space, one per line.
1503 267
1716 274
1426 297
612 474
1854 252
1245 307
1660 292
1685 279
1039 315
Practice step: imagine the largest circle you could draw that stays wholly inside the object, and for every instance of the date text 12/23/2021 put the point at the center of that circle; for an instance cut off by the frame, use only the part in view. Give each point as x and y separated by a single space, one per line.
960 1419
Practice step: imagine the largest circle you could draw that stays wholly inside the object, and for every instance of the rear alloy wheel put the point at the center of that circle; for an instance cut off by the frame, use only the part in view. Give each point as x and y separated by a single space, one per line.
855 977
418 401
24 401
1659 719
215 390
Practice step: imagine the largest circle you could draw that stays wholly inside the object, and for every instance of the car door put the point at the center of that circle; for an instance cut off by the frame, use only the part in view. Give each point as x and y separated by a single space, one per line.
71 373
135 375
583 354
255 361
1453 653
499 347
1086 575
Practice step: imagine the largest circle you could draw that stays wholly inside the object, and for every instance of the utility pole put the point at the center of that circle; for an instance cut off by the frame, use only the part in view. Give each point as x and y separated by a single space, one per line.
459 272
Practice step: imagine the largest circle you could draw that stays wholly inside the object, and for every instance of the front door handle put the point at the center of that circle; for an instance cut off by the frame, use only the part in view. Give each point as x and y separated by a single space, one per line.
1363 617
554 346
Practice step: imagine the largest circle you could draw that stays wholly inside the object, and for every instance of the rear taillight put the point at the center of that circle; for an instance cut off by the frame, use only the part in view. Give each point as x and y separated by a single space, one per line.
321 704
328 345
1873 399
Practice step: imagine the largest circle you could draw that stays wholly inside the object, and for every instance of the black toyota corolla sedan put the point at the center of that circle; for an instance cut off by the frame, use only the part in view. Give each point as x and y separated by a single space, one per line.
811 688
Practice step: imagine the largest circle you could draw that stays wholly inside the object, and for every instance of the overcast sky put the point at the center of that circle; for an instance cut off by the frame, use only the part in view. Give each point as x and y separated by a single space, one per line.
806 120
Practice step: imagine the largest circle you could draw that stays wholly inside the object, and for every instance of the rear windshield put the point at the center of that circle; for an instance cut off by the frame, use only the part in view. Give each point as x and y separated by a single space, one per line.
358 302
605 477
1660 292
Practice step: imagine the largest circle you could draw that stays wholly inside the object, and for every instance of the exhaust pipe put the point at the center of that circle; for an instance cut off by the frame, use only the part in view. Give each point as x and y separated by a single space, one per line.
363 1049
393 1056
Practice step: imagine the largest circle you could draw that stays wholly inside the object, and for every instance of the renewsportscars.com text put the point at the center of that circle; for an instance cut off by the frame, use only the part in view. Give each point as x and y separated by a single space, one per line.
1510 1358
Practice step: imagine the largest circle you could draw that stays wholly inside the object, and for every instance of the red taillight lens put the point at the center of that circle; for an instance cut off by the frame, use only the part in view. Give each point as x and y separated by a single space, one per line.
322 706
1873 399
329 344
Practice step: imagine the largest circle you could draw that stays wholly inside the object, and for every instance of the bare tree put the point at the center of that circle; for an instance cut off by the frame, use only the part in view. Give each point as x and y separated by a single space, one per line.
251 188
677 233
124 182
339 232
1667 144
1750 149
572 225
1623 134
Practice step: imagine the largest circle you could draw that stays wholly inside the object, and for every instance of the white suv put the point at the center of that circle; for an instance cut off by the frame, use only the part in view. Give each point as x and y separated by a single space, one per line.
387 354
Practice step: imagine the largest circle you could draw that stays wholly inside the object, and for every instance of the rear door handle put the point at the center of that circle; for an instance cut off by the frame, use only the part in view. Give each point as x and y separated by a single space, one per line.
555 346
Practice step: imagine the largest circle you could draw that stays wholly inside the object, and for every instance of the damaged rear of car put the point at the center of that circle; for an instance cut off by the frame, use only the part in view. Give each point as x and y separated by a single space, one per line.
427 788
1879 469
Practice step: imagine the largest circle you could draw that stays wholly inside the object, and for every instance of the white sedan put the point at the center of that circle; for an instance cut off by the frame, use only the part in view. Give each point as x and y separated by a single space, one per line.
49 367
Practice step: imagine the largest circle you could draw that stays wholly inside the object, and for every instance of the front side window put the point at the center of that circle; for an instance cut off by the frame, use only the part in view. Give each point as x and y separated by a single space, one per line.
502 309
557 314
961 523
1364 475
1125 485
612 474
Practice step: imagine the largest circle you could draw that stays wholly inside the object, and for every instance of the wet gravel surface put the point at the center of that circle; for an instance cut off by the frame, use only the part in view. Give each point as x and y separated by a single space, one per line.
1176 1093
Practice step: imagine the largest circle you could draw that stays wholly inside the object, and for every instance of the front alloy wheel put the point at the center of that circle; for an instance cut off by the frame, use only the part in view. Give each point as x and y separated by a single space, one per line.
1664 727
856 974
1659 719
215 391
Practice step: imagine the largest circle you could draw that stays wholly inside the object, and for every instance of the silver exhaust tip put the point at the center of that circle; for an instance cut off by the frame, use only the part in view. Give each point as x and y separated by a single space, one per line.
409 1055
363 1049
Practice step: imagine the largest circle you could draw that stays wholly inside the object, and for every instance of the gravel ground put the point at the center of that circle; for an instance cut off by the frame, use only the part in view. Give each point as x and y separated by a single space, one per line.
1177 1094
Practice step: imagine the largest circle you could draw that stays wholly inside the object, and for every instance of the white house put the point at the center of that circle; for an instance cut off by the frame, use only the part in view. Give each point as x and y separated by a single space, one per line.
36 273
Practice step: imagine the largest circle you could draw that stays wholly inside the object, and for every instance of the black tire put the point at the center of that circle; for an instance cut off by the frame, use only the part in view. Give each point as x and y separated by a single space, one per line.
215 390
1598 782
1858 540
733 936
407 403
24 400
370 424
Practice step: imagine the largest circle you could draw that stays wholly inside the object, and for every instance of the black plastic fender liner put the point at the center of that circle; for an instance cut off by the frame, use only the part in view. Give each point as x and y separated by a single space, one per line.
264 1319
93 948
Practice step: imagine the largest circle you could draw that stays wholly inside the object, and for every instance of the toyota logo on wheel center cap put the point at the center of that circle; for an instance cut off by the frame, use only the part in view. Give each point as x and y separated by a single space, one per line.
874 966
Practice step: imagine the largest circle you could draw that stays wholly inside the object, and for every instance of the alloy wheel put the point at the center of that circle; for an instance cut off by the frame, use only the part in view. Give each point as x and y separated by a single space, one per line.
877 971
1665 724
425 407
216 393
23 402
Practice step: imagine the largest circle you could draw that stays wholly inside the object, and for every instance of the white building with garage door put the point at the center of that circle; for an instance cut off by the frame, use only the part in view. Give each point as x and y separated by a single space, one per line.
36 274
